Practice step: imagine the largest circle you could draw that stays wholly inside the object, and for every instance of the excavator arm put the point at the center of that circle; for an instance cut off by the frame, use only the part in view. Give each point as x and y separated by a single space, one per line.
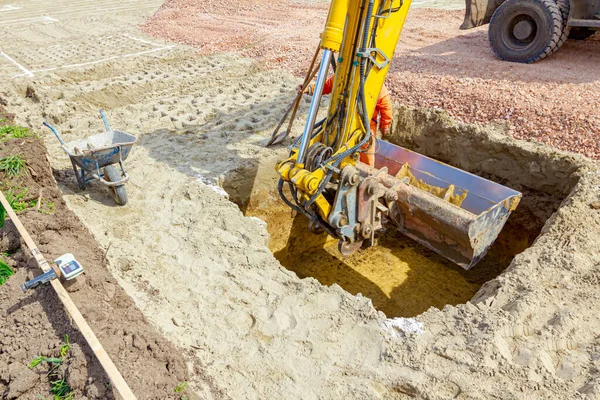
363 35
457 214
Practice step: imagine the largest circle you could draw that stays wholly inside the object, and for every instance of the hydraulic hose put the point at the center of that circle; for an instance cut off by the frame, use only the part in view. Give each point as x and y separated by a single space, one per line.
300 210
363 63
337 159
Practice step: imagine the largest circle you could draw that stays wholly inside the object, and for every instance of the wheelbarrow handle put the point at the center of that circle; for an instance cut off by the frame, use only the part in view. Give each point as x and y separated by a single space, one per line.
105 120
53 129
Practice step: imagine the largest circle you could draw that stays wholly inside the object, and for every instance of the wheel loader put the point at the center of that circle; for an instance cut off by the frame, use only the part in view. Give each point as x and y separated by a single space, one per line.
526 31
453 212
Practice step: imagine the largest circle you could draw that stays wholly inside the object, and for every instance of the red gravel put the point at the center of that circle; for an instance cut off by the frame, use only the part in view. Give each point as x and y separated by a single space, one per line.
555 101
282 34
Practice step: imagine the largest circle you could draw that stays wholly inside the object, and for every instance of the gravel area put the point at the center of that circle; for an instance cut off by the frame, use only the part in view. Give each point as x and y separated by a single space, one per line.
436 65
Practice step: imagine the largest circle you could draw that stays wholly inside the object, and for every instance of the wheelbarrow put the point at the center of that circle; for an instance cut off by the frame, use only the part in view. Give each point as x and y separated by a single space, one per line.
101 151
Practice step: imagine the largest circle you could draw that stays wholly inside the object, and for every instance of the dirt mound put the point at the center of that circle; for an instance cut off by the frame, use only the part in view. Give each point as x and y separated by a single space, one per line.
35 323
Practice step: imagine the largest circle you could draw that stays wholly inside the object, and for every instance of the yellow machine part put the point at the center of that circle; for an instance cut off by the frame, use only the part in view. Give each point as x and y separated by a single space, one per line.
347 83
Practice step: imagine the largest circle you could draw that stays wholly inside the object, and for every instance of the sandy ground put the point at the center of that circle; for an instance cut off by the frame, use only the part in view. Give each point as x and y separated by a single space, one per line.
435 65
36 324
203 273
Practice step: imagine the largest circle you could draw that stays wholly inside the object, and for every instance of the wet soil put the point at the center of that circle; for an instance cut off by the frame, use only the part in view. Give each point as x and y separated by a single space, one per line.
401 277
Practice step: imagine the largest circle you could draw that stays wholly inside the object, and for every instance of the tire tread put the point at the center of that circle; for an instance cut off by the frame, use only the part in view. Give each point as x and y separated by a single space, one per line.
556 29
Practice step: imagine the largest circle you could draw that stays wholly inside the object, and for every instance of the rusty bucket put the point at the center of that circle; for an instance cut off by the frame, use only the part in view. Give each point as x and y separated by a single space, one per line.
453 212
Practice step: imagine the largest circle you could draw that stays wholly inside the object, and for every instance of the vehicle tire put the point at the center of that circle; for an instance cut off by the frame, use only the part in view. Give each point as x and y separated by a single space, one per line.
564 6
525 31
111 174
578 33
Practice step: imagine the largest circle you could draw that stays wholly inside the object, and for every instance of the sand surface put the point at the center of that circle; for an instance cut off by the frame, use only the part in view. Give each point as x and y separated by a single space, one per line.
203 273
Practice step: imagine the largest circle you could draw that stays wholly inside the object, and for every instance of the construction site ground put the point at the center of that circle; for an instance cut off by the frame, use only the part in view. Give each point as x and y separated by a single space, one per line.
222 284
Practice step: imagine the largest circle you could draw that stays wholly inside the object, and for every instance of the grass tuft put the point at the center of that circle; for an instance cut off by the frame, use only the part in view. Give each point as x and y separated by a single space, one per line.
14 132
5 272
181 387
59 387
14 199
12 165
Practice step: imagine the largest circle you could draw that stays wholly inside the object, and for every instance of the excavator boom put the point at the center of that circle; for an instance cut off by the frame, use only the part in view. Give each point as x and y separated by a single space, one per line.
457 214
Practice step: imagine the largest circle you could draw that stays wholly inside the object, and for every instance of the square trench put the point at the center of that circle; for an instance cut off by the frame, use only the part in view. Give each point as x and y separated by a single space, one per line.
400 276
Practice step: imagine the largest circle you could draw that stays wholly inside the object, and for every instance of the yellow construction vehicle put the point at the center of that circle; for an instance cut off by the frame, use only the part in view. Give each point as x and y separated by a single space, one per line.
455 213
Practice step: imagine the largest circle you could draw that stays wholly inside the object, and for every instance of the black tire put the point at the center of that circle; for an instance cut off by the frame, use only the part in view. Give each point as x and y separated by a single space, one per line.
111 174
564 6
578 33
525 31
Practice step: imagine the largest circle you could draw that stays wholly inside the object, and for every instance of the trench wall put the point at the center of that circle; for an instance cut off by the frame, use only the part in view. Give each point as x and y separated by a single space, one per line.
486 151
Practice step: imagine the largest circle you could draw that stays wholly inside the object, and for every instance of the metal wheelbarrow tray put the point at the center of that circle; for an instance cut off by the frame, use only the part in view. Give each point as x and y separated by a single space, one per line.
100 151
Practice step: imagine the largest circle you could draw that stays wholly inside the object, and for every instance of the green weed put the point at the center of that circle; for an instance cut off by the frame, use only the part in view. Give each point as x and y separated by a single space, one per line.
40 359
5 272
181 387
12 165
14 132
47 207
64 349
60 388
14 199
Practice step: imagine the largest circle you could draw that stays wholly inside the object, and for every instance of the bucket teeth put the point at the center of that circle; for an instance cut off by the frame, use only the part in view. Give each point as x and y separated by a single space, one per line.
445 193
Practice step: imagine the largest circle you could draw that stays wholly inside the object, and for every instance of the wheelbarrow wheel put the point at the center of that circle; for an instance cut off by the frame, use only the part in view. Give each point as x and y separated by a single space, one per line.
113 175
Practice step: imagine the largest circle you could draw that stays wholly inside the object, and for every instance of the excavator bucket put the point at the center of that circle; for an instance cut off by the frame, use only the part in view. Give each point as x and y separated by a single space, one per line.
455 213
479 12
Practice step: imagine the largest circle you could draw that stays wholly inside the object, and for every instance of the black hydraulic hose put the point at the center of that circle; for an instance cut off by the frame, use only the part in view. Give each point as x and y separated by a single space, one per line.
363 62
287 201
337 161
342 115
299 210
315 133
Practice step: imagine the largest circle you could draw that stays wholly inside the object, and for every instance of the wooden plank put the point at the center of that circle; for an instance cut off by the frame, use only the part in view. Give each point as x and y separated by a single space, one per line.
111 370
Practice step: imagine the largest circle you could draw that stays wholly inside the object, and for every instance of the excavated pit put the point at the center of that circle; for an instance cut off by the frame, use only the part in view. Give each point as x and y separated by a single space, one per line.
402 277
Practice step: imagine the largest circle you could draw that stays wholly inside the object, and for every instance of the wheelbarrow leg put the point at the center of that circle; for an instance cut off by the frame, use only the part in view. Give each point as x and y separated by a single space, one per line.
80 176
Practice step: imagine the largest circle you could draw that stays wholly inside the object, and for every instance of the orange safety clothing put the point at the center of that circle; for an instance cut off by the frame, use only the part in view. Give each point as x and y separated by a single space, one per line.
382 114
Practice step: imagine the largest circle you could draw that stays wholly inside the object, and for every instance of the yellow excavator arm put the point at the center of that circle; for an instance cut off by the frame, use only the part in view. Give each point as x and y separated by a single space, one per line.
442 207
363 35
